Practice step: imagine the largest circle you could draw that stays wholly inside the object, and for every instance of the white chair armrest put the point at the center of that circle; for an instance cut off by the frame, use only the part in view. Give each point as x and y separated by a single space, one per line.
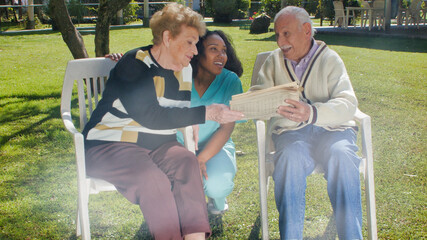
189 143
360 116
68 122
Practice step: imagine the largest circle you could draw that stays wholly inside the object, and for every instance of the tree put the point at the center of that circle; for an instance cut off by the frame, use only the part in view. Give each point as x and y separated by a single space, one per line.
71 36
106 12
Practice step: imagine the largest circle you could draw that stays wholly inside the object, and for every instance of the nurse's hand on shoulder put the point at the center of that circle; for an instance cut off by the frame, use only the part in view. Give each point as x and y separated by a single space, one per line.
114 56
222 114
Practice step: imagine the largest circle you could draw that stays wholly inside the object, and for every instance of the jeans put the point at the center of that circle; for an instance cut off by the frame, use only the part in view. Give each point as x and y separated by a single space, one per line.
297 154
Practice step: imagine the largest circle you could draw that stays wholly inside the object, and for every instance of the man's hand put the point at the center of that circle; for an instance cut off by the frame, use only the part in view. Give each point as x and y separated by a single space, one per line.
297 111
222 114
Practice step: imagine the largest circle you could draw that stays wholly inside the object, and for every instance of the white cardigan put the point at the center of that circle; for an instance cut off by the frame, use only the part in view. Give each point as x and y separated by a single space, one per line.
326 87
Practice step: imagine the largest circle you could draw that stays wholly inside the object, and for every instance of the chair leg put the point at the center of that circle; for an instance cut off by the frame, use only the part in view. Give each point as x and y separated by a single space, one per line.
263 177
264 208
370 206
83 225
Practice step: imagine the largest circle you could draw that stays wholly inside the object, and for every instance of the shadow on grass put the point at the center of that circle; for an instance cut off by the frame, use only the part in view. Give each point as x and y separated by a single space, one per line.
330 231
215 222
143 233
380 43
25 108
256 229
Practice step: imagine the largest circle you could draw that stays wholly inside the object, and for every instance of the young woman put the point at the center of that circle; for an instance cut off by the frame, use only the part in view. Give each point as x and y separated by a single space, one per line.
216 71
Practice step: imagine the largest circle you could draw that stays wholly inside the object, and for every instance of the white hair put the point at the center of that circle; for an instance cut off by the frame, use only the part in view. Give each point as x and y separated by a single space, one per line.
300 14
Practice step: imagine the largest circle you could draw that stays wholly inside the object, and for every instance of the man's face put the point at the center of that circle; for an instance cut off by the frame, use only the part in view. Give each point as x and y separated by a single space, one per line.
293 38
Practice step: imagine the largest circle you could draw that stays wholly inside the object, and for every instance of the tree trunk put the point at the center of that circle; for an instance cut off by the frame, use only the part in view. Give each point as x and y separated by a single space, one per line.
283 3
59 13
106 11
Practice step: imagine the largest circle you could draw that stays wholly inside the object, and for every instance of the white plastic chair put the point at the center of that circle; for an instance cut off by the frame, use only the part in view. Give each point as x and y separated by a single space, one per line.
378 13
364 14
339 13
266 163
90 75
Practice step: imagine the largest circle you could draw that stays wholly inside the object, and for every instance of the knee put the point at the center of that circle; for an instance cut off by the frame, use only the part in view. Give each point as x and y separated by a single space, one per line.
293 157
186 160
343 157
219 186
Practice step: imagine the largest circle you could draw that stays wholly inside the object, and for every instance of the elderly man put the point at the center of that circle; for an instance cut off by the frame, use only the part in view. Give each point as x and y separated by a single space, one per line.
316 130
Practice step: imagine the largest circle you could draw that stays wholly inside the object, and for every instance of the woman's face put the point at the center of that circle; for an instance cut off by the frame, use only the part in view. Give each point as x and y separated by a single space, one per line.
183 47
215 55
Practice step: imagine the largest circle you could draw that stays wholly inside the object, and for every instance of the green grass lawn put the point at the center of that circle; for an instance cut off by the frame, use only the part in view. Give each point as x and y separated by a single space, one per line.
38 189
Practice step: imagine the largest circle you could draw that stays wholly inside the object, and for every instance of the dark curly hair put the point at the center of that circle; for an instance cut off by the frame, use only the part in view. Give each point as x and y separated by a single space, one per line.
233 63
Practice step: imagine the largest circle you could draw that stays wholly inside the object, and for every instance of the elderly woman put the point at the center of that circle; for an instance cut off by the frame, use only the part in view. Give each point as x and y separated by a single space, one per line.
131 136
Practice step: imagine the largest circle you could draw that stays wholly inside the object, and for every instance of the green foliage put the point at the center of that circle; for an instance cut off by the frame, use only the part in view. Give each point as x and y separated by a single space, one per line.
227 10
311 6
271 7
129 12
76 10
242 9
325 9
224 10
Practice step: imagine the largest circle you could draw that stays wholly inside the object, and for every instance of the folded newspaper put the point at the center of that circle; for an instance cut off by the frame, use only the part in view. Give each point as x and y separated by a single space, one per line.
263 104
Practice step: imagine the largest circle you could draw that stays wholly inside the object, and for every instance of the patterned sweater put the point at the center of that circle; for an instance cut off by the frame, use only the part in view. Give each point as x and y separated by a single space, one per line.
143 103
326 87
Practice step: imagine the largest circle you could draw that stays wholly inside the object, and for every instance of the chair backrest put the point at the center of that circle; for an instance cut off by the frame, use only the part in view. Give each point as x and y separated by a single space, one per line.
259 61
339 9
90 75
378 4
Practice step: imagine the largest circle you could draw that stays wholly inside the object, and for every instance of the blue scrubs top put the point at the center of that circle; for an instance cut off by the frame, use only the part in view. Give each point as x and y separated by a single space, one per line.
220 91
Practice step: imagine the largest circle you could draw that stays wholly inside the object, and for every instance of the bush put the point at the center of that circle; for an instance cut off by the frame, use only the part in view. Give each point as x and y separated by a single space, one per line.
224 10
130 12
325 10
76 10
311 6
271 7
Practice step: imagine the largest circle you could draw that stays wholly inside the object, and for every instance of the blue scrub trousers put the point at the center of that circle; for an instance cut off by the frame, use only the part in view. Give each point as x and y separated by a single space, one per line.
221 170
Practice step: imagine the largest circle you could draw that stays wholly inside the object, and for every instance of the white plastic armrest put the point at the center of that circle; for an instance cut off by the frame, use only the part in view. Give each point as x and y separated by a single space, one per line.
189 143
68 122
360 116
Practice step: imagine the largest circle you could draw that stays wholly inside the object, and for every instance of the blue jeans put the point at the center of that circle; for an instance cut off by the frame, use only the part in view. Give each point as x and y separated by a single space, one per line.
297 153
221 170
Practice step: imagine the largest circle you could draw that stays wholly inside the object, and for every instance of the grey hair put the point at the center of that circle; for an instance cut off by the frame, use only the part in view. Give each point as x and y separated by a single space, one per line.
300 14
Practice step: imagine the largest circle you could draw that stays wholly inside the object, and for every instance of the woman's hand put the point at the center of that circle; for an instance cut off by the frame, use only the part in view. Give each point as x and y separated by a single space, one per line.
222 114
297 111
202 165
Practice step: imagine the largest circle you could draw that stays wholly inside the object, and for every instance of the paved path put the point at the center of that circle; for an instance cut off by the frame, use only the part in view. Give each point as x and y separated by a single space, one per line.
395 31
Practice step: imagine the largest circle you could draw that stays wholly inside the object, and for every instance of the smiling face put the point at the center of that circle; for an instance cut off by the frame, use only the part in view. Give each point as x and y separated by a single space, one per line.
293 37
215 56
182 47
